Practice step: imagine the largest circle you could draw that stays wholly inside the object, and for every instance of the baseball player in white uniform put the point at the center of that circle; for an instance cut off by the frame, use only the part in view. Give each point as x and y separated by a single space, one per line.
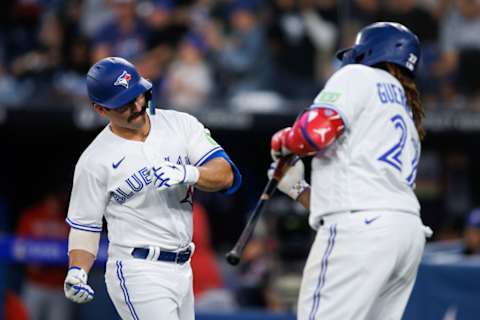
139 174
364 130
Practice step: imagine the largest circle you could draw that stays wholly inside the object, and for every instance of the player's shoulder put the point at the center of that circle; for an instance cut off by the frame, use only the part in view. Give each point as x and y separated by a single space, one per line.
358 78
174 116
352 72
94 152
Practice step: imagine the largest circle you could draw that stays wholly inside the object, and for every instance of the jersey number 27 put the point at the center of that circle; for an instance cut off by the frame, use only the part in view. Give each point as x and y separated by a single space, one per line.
393 156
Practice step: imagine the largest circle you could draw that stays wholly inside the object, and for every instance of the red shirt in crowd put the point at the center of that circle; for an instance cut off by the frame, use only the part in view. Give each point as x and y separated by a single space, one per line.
206 272
45 221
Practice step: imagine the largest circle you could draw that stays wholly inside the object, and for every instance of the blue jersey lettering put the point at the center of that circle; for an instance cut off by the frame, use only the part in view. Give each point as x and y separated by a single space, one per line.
391 93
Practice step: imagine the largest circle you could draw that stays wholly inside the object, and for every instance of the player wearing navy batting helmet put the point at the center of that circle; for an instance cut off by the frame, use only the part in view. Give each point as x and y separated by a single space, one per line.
139 174
363 130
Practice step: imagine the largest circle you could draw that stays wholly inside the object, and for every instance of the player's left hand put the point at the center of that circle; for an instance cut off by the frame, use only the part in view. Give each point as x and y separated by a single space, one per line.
167 175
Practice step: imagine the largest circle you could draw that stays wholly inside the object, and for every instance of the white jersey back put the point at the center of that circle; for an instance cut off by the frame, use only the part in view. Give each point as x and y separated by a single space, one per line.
374 163
112 180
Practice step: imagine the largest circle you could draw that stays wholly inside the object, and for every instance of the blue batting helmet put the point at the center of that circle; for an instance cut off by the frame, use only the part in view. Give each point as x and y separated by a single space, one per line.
384 42
113 82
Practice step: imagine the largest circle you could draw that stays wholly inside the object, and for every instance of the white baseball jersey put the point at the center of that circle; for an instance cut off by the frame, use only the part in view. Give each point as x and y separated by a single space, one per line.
374 164
113 180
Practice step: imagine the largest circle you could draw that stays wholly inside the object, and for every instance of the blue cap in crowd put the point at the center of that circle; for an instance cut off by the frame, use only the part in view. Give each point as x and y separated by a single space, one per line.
244 5
473 220
196 41
166 5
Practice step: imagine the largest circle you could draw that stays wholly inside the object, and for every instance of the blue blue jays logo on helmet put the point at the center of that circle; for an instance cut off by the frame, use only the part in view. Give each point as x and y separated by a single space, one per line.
384 42
123 79
113 82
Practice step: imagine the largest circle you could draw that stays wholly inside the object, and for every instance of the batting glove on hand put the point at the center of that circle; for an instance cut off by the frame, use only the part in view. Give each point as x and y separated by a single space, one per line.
76 287
169 174
278 147
292 182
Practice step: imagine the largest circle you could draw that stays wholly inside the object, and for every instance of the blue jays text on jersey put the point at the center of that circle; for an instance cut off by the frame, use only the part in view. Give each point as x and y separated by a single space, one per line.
139 179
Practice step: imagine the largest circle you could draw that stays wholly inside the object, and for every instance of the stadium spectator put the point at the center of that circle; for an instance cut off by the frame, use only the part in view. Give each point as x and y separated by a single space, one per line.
425 24
45 58
76 46
167 29
94 15
43 289
471 234
241 56
125 36
70 81
364 12
168 25
14 308
188 80
10 95
208 286
35 69
460 45
360 13
297 33
416 18
24 19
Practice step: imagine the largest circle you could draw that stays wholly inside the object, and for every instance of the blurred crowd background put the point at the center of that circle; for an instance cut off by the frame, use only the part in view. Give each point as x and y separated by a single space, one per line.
197 51
263 57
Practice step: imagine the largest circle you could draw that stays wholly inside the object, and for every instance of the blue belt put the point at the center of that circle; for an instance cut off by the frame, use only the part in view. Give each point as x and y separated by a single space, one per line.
179 257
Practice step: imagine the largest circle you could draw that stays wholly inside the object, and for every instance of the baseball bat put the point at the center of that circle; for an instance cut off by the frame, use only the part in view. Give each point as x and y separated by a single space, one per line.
233 256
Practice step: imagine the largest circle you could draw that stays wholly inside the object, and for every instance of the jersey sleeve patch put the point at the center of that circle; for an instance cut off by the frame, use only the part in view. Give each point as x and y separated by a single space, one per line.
328 97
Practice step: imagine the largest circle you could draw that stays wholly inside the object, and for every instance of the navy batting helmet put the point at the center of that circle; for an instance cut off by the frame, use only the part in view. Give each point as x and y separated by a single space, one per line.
384 42
113 82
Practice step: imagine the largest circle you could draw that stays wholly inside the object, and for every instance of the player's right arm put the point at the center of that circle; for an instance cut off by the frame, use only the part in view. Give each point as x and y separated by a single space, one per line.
82 248
82 251
87 204
313 131
334 108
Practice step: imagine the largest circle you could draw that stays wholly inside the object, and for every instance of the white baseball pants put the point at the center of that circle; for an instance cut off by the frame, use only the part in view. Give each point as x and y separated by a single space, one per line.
147 290
362 265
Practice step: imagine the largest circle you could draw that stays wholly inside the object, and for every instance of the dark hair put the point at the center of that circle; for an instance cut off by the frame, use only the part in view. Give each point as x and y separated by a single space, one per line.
411 91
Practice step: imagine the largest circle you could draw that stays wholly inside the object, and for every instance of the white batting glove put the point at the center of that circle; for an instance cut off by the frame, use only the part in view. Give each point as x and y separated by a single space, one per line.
76 287
169 174
292 182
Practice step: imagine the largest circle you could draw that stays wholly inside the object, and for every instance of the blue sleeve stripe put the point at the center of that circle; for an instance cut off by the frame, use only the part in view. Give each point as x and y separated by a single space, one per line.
206 156
82 226
237 177
335 108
